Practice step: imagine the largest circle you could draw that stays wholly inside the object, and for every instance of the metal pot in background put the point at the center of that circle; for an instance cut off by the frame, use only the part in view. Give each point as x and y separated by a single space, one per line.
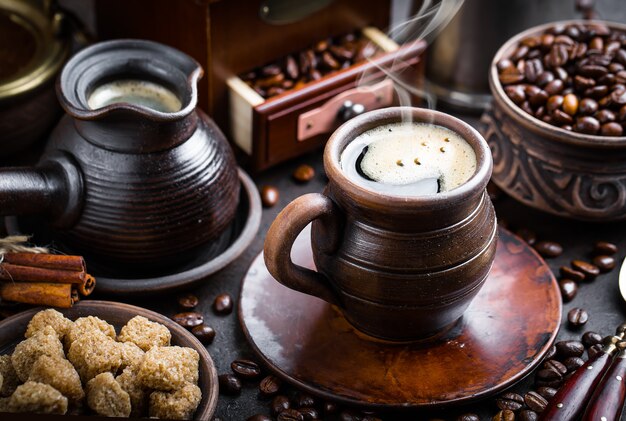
34 44
458 59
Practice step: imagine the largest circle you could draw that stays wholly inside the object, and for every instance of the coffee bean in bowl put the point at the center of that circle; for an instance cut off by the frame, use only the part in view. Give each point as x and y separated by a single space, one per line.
556 127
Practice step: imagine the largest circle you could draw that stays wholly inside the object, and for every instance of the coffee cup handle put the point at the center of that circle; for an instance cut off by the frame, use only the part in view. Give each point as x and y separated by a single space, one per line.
282 234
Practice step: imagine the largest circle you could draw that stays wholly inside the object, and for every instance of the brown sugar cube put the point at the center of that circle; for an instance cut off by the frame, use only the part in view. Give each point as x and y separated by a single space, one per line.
9 377
177 405
131 354
83 325
37 398
138 396
106 397
168 368
60 374
144 333
94 353
52 318
4 404
44 342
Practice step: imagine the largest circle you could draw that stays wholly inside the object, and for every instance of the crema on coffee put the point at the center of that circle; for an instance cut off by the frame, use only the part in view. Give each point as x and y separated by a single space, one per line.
136 92
409 159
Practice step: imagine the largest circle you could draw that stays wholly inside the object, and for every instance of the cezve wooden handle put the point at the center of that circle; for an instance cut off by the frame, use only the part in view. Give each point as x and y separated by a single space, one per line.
607 401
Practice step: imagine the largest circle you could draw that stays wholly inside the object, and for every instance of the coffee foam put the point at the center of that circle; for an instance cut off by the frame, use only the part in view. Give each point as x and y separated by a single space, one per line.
407 157
137 92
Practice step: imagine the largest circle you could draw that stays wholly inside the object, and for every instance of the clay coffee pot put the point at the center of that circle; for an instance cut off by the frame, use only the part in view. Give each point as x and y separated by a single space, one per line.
134 172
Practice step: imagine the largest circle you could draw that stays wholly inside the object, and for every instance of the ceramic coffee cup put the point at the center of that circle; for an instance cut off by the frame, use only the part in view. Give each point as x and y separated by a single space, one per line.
399 268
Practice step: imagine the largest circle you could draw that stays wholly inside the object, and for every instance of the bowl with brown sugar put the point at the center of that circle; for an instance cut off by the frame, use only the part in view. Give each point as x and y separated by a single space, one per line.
556 127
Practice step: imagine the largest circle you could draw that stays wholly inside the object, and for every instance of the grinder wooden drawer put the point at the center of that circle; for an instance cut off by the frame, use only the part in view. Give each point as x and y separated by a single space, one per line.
300 120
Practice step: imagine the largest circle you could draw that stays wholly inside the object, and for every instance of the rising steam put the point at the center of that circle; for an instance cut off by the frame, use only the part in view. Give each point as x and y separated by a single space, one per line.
426 24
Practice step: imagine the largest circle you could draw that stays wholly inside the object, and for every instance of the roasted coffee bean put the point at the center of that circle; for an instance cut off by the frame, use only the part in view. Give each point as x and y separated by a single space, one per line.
516 93
271 70
604 263
504 415
204 333
188 301
573 363
527 235
301 400
527 415
591 338
188 319
562 118
587 106
554 102
348 415
329 61
509 78
321 46
259 417
604 248
590 271
605 116
548 248
556 366
547 392
566 349
533 69
548 383
594 350
329 408
223 304
535 401
555 87
245 369
569 273
577 317
468 417
229 384
309 413
557 56
269 196
304 173
505 64
510 401
270 385
290 415
341 53
570 104
539 98
583 83
597 92
611 129
530 90
279 404
545 78
548 375
568 289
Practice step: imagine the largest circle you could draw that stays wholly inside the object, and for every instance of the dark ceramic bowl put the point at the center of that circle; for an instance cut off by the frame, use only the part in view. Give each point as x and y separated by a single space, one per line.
548 168
12 331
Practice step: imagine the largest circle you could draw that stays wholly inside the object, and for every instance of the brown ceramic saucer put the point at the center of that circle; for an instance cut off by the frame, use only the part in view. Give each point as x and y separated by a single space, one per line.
12 331
503 335
209 259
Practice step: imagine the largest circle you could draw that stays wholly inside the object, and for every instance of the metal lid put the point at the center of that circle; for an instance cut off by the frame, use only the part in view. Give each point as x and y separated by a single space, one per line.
31 50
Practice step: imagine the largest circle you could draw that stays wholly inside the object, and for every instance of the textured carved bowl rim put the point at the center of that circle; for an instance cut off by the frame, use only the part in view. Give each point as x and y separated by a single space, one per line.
533 124
407 204
12 329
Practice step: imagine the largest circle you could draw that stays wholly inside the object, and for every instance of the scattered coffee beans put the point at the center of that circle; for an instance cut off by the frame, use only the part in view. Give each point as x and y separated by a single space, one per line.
594 350
290 415
269 196
577 317
591 338
309 413
573 363
301 400
279 404
223 304
270 385
535 401
188 319
204 333
548 248
604 263
569 273
572 77
604 248
468 417
329 408
188 301
245 369
547 392
229 384
511 401
527 415
326 56
566 349
304 173
568 288
590 271
504 415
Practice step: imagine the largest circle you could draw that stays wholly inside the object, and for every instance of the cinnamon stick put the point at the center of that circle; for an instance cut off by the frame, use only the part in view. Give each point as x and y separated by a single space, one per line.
18 273
47 261
46 294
